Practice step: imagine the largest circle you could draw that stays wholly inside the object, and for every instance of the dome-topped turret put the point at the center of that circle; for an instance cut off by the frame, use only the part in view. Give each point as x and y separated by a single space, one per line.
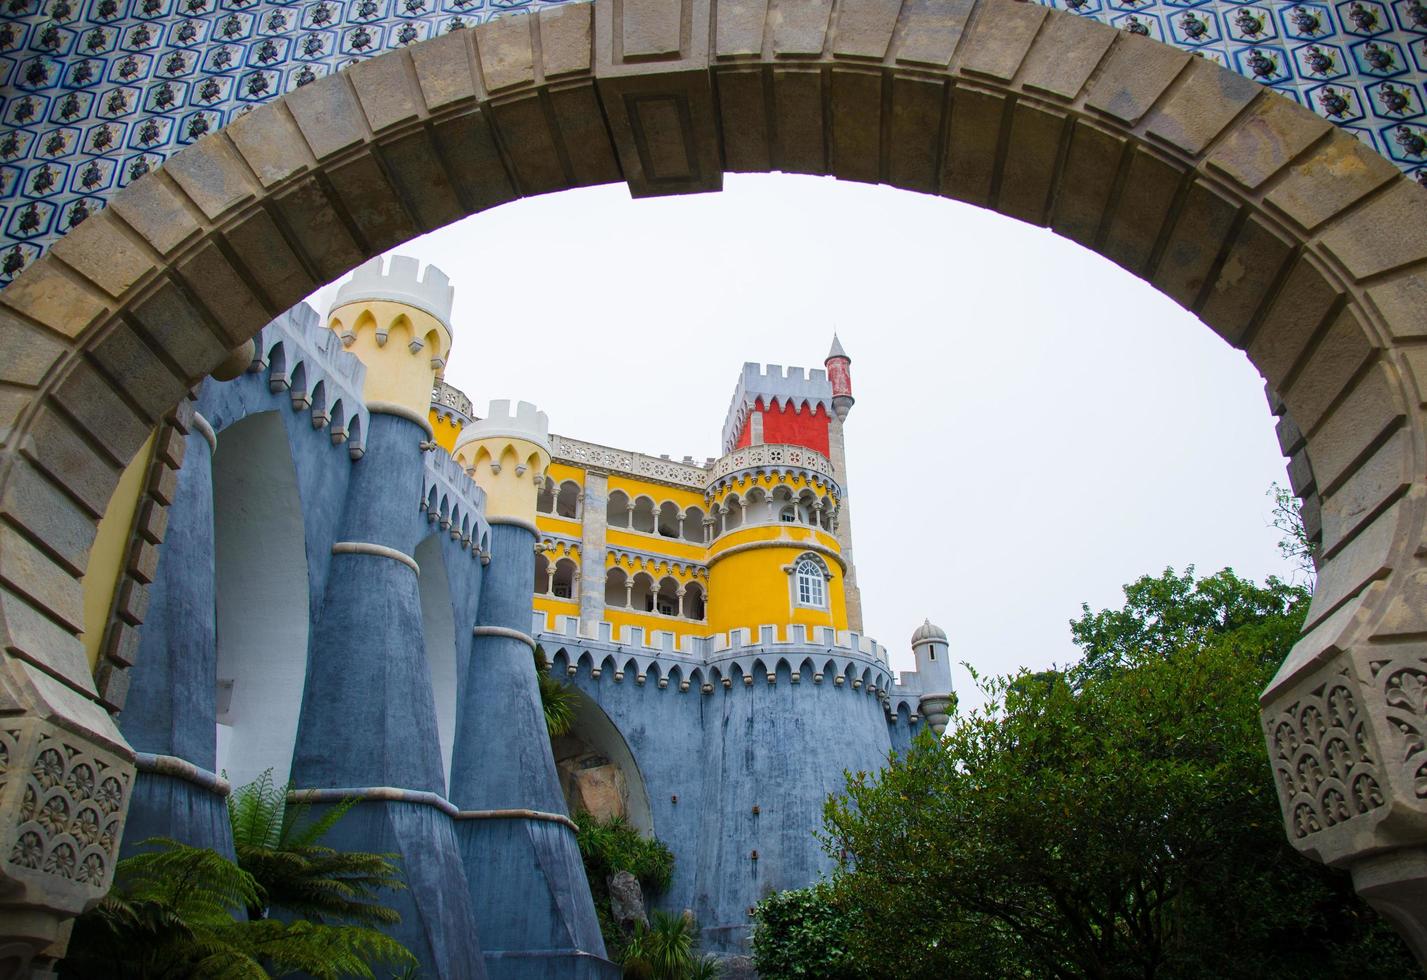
928 633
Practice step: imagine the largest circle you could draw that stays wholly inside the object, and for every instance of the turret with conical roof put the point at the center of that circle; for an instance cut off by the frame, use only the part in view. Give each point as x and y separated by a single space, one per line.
839 373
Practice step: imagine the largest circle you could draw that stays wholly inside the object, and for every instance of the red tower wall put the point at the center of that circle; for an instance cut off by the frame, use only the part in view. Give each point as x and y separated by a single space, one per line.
788 425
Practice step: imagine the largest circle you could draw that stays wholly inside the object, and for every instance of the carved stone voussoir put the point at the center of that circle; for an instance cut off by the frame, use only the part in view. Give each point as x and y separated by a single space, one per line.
63 802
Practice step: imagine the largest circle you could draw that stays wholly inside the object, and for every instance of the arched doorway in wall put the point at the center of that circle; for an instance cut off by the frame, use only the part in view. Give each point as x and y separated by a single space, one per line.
598 772
1285 236
262 590
438 626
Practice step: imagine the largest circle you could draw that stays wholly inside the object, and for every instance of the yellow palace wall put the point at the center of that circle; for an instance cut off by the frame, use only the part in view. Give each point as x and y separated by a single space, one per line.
749 587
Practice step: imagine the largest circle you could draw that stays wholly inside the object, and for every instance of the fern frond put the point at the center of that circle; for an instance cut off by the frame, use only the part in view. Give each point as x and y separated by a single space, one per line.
256 812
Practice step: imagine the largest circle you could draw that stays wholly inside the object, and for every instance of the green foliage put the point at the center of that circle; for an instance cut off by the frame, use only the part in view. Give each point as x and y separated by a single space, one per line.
665 950
557 699
609 846
279 844
1170 613
1294 545
171 914
1117 819
802 935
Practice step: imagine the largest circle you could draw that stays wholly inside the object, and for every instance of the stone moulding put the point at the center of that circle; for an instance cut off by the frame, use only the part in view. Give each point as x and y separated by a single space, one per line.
393 794
1284 234
506 632
172 765
376 550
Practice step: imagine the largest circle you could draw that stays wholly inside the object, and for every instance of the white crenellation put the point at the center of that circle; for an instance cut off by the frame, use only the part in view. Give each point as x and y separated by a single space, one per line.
774 385
527 423
399 280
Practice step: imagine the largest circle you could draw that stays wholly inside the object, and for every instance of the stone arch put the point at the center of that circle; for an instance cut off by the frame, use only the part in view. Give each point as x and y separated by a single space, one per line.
1286 236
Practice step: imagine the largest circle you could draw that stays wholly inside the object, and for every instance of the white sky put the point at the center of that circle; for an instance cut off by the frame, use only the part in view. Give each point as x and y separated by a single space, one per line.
1034 427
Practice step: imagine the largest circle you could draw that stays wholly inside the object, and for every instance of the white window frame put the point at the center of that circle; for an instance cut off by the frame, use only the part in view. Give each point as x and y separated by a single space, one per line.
808 569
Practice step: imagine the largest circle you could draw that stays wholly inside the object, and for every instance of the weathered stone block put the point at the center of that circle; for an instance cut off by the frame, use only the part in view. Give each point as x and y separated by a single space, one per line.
864 28
372 203
1000 38
329 116
121 645
32 502
444 70
1146 199
178 328
1383 234
1265 138
59 450
106 418
131 603
385 90
1205 100
112 682
973 138
1245 279
1338 174
138 370
105 253
1029 170
1087 182
274 268
930 30
507 54
30 352
1062 60
856 125
584 136
469 149
162 484
566 38
313 221
1205 219
914 150
1355 424
530 145
37 638
143 561
155 209
1298 310
1289 435
1300 474
30 572
1355 567
1399 299
414 164
213 175
743 119
50 294
271 143
1382 478
1337 357
1133 76
152 521
230 304
798 121
739 32
799 26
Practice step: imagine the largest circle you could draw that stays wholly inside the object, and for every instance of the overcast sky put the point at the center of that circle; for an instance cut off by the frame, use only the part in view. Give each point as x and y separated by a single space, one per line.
1034 427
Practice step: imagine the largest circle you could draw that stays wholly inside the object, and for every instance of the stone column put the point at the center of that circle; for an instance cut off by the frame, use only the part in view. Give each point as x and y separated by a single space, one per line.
527 881
169 716
368 724
592 551
844 525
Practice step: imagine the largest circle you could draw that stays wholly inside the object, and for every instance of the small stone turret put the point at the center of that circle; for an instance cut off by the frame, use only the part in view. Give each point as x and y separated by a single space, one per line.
399 323
507 455
839 372
934 671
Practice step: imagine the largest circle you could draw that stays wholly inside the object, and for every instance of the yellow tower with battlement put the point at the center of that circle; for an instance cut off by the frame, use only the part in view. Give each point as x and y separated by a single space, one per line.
399 323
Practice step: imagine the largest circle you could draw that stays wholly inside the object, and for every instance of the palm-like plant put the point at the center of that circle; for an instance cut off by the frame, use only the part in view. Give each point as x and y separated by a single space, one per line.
279 844
663 950
557 699
171 913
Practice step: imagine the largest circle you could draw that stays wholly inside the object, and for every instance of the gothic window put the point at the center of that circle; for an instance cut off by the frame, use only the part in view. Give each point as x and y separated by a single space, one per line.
812 590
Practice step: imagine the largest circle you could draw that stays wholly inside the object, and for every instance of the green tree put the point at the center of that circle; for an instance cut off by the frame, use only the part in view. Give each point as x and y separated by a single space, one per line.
1117 819
803 935
280 845
175 912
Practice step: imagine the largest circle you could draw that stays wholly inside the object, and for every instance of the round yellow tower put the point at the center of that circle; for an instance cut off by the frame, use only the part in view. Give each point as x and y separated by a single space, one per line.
774 556
507 455
399 324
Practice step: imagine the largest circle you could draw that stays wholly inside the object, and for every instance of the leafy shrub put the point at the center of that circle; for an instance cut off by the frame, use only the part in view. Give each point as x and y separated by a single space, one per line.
610 846
802 934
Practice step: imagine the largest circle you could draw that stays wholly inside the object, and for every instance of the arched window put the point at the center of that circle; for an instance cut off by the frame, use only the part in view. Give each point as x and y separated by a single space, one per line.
615 592
545 502
562 583
617 512
567 502
694 525
810 583
542 575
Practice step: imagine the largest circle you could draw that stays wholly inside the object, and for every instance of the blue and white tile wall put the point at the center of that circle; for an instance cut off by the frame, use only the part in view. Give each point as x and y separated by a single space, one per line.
95 93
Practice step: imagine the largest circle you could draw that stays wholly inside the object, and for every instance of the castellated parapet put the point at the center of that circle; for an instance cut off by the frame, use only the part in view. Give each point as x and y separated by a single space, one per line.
772 384
507 453
399 323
